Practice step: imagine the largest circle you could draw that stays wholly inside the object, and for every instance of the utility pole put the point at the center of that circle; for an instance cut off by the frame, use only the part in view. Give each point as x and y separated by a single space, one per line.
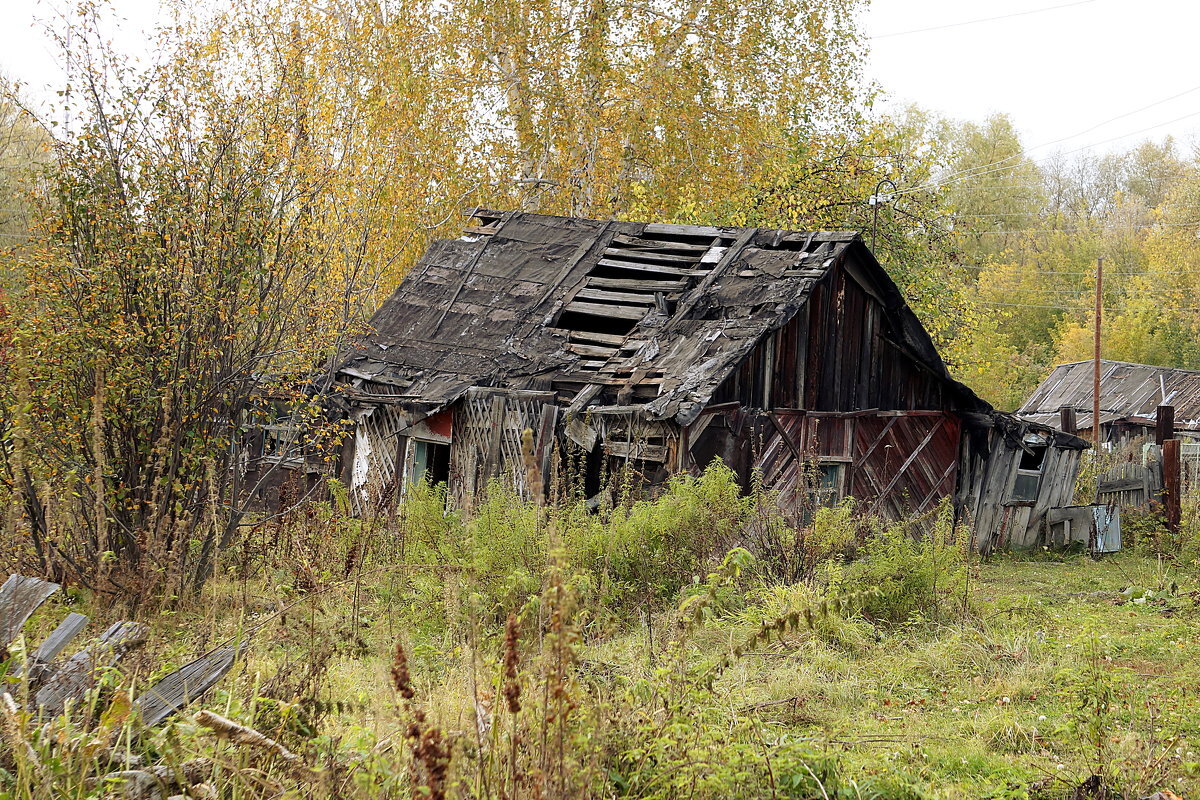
1096 354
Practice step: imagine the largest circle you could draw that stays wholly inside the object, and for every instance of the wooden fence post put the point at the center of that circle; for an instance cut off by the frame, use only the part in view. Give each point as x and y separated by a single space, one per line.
1170 454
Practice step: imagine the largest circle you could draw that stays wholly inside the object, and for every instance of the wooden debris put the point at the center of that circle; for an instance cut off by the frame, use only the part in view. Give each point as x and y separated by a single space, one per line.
240 734
155 782
184 685
42 660
19 598
80 672
201 791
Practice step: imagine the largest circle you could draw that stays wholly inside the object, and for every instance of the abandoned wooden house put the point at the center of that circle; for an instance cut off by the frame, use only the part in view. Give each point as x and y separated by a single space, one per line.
1130 396
788 354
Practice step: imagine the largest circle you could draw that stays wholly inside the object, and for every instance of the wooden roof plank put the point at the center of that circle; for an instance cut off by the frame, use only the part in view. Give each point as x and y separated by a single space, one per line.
699 231
636 284
644 255
606 310
607 296
636 266
602 338
659 244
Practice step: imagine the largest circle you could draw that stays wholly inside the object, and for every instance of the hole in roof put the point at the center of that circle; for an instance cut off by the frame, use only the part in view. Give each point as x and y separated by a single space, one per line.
573 320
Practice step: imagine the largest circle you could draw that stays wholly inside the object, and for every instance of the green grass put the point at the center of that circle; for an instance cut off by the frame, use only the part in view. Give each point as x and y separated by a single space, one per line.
1020 678
986 705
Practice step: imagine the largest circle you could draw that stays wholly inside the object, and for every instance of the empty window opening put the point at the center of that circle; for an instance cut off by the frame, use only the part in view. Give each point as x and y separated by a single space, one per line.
281 444
430 463
1033 458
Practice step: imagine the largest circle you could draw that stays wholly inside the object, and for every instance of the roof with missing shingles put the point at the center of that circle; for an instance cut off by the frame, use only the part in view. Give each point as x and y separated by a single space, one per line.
609 313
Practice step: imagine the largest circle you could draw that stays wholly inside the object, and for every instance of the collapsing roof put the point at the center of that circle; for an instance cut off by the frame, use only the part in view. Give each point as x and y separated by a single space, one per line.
1127 392
644 317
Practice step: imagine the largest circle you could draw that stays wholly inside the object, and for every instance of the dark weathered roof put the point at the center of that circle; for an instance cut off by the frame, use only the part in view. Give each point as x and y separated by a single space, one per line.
612 313
1126 391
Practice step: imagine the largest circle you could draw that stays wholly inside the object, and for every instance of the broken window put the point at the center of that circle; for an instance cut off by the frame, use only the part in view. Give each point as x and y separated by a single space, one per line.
281 444
830 483
1029 473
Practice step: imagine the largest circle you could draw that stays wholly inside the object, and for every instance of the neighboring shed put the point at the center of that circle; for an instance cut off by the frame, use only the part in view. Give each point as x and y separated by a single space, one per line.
788 354
1130 395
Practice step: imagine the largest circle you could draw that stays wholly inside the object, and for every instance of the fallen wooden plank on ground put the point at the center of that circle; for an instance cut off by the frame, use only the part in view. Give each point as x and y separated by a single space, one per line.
79 673
184 685
19 598
40 662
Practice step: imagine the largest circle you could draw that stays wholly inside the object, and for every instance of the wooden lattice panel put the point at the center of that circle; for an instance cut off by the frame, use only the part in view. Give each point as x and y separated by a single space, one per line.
374 471
489 429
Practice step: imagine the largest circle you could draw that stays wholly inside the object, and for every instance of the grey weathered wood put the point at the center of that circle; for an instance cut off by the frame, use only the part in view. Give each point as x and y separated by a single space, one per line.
606 296
650 255
19 598
603 310
638 266
57 641
636 284
592 350
585 396
1122 485
730 254
496 418
649 244
602 338
184 685
79 673
40 663
661 228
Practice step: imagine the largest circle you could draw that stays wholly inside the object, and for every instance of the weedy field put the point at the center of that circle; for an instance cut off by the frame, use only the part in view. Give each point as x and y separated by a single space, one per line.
694 646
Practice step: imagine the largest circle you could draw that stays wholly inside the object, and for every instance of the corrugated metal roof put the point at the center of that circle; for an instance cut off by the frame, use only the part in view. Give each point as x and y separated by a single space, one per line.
1126 391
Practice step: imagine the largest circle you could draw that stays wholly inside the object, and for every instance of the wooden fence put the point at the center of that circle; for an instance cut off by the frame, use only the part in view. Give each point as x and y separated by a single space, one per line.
54 683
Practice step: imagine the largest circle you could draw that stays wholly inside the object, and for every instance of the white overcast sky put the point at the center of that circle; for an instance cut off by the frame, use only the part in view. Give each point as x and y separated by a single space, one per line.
1073 74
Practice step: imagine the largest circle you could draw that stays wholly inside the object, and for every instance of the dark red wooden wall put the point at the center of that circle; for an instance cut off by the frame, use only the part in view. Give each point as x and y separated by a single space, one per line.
839 353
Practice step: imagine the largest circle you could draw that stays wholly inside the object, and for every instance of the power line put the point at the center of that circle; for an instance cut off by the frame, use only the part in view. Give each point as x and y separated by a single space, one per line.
982 20
1005 268
1039 213
1084 308
978 171
981 171
1092 229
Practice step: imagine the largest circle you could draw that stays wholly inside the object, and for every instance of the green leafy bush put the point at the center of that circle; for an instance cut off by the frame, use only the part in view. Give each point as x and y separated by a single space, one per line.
919 574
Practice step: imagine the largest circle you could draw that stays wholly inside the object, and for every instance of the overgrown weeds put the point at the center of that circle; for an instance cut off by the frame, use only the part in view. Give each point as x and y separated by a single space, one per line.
525 651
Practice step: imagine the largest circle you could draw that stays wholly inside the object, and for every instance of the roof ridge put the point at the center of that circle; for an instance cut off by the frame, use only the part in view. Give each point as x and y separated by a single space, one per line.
1126 363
